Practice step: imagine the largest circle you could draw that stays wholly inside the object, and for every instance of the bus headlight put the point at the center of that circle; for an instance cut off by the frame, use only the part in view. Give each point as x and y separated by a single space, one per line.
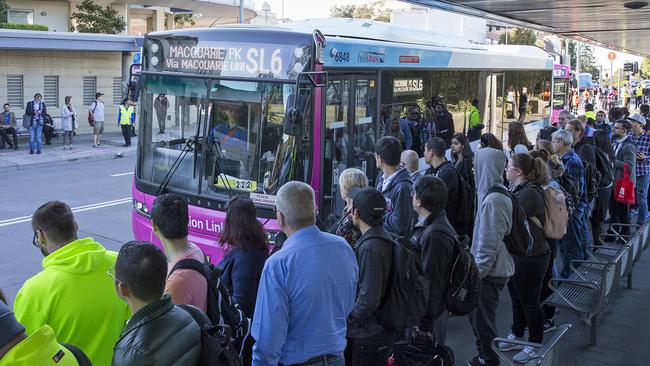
141 208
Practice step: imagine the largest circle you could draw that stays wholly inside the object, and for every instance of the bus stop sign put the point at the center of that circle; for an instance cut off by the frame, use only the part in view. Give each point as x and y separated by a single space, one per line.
611 56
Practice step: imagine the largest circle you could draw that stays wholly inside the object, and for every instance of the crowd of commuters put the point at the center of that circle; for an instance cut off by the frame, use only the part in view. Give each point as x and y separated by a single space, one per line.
39 124
319 299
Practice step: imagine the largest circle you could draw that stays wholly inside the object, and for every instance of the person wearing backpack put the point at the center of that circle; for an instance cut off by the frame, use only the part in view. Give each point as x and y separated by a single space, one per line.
571 245
169 219
494 262
584 147
624 154
604 156
437 250
307 289
369 341
396 185
642 141
158 332
434 155
527 176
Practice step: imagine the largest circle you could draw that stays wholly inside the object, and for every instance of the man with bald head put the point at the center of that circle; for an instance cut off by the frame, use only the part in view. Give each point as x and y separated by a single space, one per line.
411 161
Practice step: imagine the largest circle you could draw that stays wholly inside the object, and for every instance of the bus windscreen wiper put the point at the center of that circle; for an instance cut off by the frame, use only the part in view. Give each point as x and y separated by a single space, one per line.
215 149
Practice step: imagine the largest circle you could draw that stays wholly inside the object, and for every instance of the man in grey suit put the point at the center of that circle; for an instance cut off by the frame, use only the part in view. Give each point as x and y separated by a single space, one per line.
625 153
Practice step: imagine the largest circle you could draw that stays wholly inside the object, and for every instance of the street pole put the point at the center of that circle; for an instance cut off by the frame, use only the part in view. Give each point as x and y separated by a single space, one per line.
282 11
241 11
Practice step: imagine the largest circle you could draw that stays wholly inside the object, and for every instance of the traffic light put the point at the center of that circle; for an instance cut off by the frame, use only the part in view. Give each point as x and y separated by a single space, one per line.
636 67
628 66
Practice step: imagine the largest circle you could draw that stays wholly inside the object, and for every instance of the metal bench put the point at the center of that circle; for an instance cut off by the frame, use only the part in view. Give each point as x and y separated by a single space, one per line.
547 353
634 243
585 292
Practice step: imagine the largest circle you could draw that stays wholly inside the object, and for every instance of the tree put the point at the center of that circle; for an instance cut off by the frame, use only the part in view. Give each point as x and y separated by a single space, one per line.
588 62
3 11
521 36
374 10
181 19
93 18
644 68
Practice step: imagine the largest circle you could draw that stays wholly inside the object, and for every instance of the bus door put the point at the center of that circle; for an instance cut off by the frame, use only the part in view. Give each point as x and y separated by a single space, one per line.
350 133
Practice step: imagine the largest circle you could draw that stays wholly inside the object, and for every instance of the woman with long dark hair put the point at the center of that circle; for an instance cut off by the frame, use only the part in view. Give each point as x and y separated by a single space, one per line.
517 136
527 176
489 140
463 158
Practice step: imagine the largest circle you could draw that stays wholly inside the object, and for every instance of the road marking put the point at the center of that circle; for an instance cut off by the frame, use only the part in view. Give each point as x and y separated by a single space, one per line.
94 206
121 174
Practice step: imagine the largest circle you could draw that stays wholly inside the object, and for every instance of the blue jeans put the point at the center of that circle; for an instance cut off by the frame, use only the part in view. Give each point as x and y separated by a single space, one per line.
35 138
571 245
642 183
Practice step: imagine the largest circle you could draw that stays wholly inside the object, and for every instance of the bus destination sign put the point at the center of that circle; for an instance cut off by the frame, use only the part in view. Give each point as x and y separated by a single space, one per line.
227 59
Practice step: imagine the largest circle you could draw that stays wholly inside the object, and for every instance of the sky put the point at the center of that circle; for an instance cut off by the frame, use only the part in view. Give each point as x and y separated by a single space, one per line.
297 9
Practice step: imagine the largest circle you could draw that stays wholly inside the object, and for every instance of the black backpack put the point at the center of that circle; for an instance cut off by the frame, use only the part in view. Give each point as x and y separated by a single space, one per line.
463 282
592 180
604 166
417 139
78 354
466 207
519 242
216 349
222 310
407 293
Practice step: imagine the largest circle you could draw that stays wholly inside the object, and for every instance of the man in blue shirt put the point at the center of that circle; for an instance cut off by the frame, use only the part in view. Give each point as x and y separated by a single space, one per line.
571 245
307 289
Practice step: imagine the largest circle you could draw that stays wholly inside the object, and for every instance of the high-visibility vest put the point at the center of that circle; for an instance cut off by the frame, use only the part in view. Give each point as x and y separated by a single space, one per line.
639 91
126 115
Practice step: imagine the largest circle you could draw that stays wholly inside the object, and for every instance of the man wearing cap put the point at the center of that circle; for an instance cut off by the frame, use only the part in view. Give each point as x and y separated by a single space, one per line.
369 343
642 141
413 116
433 235
97 111
40 348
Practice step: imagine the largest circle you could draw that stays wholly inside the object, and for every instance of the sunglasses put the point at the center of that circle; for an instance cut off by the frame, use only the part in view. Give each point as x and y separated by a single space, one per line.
111 273
35 239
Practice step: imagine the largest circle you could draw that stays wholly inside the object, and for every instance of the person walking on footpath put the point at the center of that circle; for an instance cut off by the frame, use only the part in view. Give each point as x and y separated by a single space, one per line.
307 289
68 116
73 293
8 126
158 332
35 112
96 115
493 261
126 119
160 105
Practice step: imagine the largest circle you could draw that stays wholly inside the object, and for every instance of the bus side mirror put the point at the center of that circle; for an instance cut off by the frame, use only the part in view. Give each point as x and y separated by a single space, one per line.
292 124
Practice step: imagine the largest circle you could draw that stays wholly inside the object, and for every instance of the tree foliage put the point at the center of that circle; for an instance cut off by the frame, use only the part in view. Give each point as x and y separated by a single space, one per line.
644 68
374 10
4 7
181 19
588 62
520 36
94 18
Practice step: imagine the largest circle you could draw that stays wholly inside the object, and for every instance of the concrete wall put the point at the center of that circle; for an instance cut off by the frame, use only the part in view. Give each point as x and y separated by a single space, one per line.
56 12
70 66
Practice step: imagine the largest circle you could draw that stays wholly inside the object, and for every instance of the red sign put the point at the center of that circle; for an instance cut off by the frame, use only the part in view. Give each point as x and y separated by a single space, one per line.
409 59
611 56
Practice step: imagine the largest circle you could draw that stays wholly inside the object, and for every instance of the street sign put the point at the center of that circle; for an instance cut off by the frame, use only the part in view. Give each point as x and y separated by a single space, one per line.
611 56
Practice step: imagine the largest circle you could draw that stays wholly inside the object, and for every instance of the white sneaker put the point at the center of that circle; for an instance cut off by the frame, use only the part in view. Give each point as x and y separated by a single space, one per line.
527 354
505 346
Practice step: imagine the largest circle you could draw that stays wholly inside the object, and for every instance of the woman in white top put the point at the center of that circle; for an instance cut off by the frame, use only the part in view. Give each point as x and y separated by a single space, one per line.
67 122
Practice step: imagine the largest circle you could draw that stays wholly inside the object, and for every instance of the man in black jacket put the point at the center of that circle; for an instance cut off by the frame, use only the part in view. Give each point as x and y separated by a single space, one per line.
369 342
396 185
437 250
159 332
434 155
444 123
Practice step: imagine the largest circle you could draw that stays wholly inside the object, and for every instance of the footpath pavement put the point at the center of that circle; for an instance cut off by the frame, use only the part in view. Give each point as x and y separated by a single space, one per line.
82 150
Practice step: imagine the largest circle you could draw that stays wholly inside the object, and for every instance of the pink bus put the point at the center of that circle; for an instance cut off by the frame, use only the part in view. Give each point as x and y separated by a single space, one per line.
560 93
243 110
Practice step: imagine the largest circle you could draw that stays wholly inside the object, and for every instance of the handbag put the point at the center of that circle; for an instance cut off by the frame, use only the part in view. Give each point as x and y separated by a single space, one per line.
27 121
624 192
91 118
421 351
